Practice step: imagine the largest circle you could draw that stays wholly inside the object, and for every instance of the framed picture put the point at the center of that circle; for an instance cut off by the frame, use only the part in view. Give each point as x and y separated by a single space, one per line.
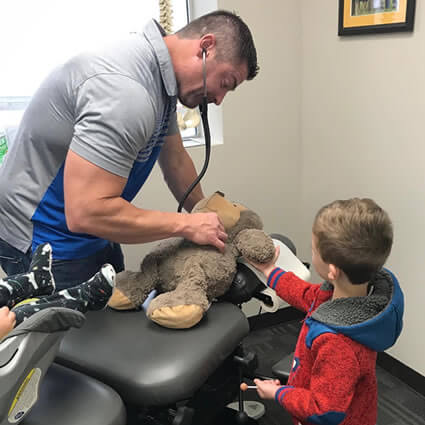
375 16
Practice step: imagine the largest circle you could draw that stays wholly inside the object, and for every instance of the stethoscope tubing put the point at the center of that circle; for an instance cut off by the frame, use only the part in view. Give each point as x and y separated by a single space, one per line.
204 116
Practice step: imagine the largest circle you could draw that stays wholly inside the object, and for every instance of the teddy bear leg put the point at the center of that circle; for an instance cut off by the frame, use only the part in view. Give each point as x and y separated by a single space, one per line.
184 306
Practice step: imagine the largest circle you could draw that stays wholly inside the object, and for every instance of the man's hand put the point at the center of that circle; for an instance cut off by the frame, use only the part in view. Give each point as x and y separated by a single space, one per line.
267 389
266 268
205 229
7 321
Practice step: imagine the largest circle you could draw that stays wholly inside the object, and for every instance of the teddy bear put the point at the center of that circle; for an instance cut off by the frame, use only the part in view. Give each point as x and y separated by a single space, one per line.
188 276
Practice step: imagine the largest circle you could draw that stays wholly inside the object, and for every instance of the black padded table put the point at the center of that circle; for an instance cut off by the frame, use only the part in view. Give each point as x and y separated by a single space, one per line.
70 398
149 365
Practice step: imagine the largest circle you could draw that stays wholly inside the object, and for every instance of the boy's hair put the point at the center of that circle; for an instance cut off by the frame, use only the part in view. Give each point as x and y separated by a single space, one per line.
356 235
234 39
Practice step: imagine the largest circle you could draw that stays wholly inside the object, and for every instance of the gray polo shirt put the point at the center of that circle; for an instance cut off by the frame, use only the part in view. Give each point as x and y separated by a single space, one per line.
112 107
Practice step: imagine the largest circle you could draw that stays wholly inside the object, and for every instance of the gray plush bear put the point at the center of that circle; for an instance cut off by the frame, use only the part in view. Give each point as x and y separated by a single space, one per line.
189 276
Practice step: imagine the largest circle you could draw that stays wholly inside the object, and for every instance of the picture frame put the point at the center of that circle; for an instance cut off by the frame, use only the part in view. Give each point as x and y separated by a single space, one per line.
375 16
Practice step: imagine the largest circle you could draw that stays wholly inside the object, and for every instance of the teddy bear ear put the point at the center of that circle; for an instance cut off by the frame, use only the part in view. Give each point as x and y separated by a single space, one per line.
202 205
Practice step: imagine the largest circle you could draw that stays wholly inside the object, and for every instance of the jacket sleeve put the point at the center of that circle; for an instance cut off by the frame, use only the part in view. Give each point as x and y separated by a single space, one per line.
295 291
334 377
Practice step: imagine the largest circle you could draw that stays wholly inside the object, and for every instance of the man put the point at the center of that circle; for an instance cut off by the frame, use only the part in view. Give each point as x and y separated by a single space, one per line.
91 135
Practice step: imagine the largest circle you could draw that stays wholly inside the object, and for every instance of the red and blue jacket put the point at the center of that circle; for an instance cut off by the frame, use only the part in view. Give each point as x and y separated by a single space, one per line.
333 378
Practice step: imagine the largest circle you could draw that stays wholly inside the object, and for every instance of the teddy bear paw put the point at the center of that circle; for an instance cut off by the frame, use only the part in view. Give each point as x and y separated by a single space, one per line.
178 316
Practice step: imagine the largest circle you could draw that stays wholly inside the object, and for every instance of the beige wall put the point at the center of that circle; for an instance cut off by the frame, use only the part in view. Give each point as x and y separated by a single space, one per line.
363 104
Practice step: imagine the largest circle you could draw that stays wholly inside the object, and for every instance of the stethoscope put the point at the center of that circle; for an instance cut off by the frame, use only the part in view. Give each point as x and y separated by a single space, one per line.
203 107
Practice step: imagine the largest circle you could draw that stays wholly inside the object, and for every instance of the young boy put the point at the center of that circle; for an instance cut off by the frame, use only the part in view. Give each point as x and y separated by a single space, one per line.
17 291
356 312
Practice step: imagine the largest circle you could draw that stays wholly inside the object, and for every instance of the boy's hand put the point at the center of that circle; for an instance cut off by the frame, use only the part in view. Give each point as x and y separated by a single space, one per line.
266 268
7 321
267 389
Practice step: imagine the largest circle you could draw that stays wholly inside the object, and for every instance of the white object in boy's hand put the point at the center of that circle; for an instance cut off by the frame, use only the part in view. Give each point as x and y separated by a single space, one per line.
287 261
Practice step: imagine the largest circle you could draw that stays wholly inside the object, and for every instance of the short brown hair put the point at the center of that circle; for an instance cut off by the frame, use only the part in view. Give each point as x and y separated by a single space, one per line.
234 39
355 235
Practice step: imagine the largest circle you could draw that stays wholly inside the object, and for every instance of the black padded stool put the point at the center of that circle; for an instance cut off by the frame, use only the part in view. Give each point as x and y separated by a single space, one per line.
69 398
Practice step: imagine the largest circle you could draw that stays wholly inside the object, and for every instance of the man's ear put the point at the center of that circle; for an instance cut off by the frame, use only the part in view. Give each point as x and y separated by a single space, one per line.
333 272
207 42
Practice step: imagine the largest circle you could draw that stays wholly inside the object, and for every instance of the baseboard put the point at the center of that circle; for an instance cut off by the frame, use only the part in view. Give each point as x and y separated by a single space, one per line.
264 320
407 375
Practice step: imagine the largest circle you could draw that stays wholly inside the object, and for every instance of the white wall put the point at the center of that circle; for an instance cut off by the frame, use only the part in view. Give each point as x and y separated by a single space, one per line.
363 105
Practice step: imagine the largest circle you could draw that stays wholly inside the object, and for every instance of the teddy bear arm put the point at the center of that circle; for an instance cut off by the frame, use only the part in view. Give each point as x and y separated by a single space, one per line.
255 245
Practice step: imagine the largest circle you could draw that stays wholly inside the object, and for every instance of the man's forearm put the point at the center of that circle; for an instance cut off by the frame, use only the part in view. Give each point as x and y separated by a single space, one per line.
117 220
179 188
93 205
179 173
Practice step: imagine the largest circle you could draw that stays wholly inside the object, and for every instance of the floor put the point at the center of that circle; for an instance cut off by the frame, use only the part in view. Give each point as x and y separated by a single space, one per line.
398 404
